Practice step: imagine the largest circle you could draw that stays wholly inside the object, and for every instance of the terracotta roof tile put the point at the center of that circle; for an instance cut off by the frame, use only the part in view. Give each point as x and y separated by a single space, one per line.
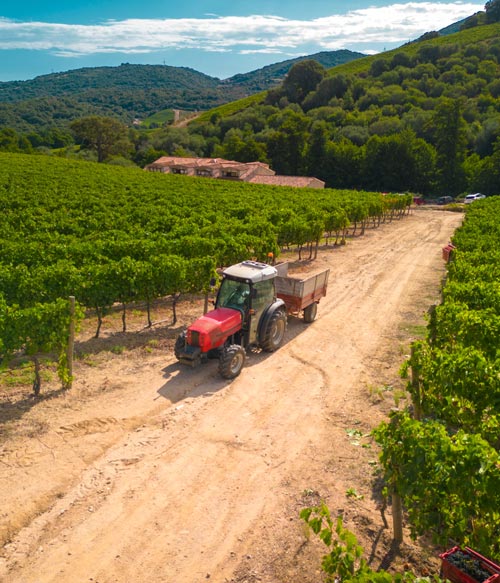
256 172
295 181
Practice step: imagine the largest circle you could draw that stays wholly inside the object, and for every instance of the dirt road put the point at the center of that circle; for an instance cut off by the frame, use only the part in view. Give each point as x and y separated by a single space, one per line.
148 472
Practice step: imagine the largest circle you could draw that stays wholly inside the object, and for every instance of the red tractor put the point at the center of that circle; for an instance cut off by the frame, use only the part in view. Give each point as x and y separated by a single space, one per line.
249 313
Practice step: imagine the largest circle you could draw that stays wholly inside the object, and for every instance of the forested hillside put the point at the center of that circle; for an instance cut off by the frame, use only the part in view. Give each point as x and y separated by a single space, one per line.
126 92
272 75
424 118
131 92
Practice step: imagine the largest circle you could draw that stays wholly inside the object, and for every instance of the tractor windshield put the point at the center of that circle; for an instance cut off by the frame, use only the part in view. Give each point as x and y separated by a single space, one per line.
233 294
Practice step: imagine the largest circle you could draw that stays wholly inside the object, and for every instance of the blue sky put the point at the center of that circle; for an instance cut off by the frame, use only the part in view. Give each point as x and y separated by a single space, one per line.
219 38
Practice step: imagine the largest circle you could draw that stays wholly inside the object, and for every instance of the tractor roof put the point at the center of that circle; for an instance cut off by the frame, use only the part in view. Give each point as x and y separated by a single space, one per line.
251 271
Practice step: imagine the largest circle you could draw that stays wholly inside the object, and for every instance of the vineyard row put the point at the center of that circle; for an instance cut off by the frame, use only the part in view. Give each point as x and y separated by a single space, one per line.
444 459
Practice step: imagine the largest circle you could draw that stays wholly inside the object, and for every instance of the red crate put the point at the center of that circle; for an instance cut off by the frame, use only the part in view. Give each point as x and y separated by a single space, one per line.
455 575
448 252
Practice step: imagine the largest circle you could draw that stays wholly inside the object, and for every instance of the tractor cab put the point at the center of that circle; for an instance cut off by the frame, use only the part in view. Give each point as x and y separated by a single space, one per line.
234 294
249 288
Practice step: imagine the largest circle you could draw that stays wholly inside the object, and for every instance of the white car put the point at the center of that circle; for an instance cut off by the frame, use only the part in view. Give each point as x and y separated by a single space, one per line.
472 197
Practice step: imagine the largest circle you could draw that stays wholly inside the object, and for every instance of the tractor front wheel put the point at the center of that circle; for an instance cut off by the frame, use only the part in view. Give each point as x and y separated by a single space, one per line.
180 345
231 361
275 332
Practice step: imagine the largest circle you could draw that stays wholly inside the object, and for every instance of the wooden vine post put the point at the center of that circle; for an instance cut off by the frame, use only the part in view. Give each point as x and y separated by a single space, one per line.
71 341
397 518
397 505
415 383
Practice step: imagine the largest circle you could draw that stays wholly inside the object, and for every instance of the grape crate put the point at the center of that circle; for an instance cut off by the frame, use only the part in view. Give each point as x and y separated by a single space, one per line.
468 566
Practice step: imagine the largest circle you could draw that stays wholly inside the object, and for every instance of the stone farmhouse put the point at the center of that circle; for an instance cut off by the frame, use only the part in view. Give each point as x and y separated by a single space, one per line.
254 172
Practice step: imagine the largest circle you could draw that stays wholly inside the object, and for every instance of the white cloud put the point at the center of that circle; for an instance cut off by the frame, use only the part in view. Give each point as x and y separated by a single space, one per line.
269 51
366 28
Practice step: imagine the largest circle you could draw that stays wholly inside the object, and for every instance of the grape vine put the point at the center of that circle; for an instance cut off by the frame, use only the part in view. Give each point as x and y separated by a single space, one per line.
446 467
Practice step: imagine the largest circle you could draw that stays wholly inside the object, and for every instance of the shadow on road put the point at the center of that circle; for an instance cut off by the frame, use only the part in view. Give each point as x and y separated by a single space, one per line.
182 381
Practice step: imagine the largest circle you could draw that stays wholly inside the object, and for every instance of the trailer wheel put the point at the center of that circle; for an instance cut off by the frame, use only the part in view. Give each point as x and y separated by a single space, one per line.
231 361
180 345
310 313
275 332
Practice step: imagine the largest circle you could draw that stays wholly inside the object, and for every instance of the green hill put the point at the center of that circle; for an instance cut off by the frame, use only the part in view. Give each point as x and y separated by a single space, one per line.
361 66
126 92
126 76
131 92
271 75
424 117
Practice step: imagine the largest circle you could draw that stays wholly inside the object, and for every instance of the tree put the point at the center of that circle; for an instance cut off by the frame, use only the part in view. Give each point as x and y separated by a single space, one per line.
327 88
343 164
10 141
399 162
428 53
316 150
302 78
401 59
241 147
144 157
378 67
475 20
104 135
485 173
450 141
492 9
286 146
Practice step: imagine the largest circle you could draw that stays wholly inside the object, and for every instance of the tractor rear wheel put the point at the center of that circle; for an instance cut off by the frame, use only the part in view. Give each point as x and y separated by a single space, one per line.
231 361
180 344
310 313
274 332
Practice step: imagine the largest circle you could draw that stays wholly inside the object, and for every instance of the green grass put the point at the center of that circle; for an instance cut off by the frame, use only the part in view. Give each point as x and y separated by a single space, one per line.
163 117
417 330
352 493
118 349
16 377
231 108
24 374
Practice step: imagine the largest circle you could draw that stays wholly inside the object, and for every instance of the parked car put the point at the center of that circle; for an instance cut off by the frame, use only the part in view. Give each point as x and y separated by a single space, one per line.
472 197
445 199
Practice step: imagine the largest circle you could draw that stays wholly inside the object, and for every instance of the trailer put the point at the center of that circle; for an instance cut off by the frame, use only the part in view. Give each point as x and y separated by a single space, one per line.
301 295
